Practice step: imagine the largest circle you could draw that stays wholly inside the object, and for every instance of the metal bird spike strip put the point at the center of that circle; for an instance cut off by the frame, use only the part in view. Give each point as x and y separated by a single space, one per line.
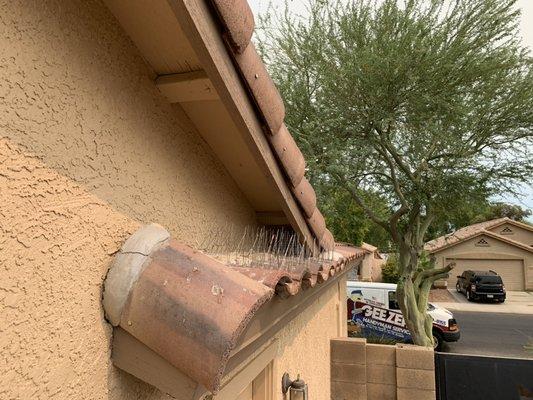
262 246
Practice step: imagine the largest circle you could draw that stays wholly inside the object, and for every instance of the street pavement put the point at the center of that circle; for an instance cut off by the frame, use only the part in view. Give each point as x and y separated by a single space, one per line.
493 334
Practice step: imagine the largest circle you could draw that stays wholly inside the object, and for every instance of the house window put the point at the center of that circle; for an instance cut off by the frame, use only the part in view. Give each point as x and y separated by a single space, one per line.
482 243
506 231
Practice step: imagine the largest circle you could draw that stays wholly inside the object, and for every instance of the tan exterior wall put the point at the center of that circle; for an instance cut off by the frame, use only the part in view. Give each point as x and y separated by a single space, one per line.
377 275
518 234
303 345
89 150
496 250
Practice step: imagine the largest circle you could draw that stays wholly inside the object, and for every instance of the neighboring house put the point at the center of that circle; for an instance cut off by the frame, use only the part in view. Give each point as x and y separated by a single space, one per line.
370 268
134 135
502 245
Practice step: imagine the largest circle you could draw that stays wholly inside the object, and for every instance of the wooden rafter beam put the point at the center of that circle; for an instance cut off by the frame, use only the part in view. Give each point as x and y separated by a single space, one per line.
188 86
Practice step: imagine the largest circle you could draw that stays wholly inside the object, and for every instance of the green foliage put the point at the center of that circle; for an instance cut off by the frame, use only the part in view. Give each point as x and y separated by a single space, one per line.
347 221
500 210
390 271
424 104
474 212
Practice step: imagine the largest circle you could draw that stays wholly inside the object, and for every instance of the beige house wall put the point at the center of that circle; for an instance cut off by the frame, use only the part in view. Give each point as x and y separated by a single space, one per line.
89 150
497 249
518 234
304 344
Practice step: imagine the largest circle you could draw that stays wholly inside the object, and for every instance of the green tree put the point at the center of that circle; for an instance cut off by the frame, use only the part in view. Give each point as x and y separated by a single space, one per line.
347 221
474 212
427 104
500 210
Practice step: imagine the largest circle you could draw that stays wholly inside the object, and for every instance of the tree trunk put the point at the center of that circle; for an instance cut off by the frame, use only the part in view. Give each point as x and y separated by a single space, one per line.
413 297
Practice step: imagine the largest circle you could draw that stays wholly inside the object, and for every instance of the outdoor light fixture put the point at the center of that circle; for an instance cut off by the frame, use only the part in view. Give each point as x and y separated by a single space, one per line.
297 389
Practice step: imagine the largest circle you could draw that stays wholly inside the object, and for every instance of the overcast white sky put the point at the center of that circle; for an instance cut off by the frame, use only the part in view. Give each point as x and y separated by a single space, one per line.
526 30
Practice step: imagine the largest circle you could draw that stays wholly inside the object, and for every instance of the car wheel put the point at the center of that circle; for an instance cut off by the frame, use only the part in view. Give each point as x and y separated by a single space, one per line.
437 341
457 288
468 296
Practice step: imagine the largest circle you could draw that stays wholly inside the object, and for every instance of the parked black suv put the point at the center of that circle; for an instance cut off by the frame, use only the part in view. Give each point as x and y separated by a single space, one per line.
481 285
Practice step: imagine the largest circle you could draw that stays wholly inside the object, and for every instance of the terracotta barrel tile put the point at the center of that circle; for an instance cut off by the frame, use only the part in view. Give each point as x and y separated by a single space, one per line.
238 19
262 87
327 241
289 154
164 312
306 196
317 223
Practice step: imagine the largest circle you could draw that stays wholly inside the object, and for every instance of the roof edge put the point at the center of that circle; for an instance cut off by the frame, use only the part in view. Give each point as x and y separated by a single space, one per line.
487 233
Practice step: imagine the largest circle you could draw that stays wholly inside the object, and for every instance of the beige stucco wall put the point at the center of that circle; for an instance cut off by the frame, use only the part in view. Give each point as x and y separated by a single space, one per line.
89 150
496 250
518 234
303 345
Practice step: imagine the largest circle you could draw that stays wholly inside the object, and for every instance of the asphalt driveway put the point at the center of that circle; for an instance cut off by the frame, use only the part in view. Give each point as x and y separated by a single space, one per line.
493 334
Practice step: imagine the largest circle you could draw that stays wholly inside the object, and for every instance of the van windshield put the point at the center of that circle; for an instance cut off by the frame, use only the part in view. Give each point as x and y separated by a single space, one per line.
489 279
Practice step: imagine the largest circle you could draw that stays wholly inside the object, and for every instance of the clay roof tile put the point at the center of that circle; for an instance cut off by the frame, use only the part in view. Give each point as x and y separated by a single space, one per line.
264 91
238 20
306 196
317 223
289 155
190 308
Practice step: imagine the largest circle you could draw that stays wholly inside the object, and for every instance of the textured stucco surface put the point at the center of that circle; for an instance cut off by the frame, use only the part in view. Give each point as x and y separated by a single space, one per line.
303 345
518 234
89 150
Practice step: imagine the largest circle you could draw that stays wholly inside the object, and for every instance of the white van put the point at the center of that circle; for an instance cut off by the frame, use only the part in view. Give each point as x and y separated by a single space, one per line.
383 295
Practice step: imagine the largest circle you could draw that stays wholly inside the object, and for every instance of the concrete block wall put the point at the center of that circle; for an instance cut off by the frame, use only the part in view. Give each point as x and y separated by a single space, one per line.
415 372
348 369
364 371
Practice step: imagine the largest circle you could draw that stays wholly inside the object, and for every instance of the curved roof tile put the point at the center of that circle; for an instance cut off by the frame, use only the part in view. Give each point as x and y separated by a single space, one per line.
190 308
262 87
306 196
238 20
289 155
317 223
327 241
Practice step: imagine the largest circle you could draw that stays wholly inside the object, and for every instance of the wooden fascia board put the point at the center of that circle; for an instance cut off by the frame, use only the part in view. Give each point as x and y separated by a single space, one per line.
196 19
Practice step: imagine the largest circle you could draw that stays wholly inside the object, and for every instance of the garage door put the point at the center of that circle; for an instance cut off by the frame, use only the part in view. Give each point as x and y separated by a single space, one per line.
511 271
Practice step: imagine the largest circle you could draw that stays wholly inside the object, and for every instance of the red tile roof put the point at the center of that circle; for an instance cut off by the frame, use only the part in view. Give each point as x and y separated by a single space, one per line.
461 234
237 21
191 308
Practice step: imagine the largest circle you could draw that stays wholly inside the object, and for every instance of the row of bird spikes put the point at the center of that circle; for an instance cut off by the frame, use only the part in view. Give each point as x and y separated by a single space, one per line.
264 247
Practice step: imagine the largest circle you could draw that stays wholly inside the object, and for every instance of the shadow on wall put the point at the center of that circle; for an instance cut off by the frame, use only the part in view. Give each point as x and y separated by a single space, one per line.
88 108
89 150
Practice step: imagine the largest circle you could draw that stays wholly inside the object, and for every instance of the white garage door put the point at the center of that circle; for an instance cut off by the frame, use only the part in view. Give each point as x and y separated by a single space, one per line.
511 271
